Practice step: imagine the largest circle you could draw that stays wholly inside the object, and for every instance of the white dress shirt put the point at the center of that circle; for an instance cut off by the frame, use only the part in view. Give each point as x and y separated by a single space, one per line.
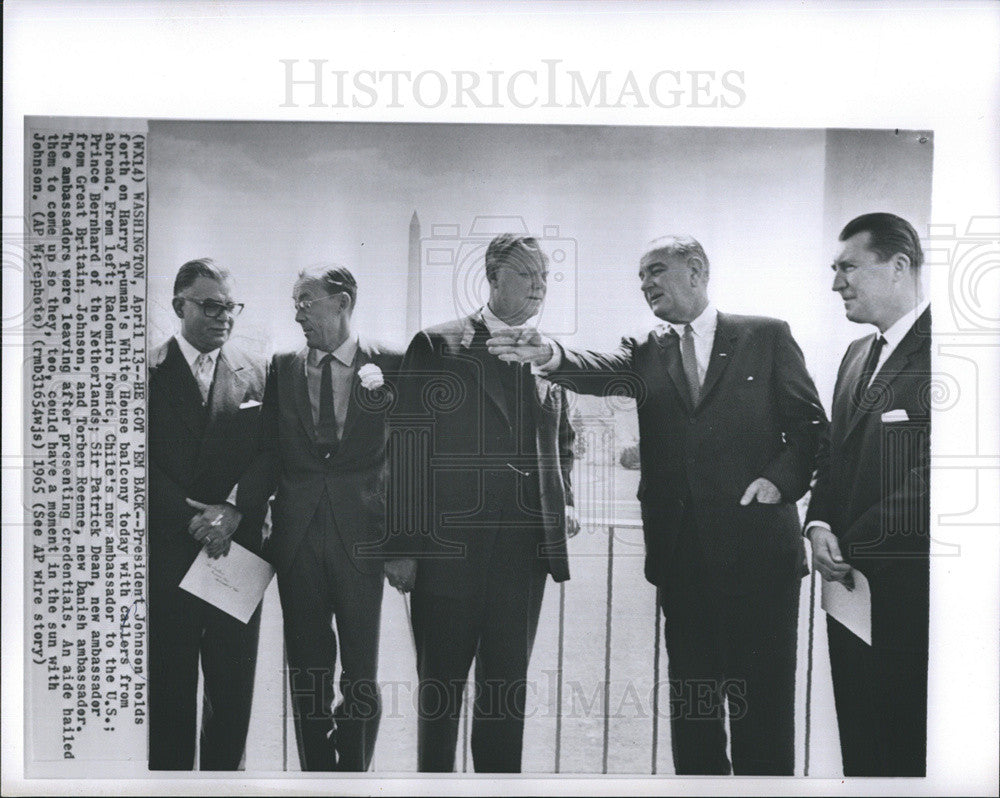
191 355
342 367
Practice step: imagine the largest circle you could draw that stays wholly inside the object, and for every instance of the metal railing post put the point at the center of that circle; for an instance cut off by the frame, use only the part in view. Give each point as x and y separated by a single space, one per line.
559 672
607 650
656 683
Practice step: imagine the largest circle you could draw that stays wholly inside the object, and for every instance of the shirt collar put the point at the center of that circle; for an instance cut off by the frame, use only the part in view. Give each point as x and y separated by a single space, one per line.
344 353
898 331
191 354
494 323
703 326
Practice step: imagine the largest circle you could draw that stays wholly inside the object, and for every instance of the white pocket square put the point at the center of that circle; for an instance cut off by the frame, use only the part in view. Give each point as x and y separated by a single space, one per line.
894 415
249 403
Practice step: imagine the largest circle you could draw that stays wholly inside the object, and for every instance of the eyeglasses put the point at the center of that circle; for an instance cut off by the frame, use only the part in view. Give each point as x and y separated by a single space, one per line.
214 309
303 305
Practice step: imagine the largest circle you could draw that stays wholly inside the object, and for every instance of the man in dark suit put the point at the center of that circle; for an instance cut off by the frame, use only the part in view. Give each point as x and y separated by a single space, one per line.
204 422
324 457
729 423
870 506
488 482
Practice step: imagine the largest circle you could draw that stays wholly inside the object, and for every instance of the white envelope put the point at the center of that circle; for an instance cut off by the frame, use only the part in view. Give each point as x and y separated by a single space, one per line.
234 583
890 416
853 608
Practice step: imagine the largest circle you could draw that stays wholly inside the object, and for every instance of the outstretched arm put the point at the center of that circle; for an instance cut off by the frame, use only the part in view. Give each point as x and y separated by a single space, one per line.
588 372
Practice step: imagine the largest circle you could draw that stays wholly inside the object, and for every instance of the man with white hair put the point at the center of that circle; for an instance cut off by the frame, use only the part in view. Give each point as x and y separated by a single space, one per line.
729 423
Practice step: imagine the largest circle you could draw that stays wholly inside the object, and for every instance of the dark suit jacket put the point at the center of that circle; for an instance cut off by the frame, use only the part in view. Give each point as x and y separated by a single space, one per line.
291 466
758 416
453 484
873 480
197 452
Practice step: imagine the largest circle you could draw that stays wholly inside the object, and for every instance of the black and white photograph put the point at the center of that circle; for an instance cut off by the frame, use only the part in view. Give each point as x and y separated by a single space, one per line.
592 549
533 434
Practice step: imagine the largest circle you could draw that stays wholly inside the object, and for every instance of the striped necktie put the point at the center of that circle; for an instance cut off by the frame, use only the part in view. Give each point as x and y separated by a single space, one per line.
203 372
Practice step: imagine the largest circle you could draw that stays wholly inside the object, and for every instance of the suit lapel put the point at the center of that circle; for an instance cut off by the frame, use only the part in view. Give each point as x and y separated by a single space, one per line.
671 355
361 357
899 359
726 339
845 410
896 364
300 389
179 385
228 388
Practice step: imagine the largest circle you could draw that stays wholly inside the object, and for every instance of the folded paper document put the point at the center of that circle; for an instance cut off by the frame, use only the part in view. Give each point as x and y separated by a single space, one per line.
852 608
234 583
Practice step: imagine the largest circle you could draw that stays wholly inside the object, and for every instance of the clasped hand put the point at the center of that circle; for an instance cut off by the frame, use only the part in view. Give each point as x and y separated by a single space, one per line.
214 526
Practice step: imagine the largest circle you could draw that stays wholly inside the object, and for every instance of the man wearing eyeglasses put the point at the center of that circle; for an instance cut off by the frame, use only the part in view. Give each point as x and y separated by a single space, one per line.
204 423
324 456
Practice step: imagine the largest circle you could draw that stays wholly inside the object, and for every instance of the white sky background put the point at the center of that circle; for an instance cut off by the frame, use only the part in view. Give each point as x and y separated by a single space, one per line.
909 65
267 199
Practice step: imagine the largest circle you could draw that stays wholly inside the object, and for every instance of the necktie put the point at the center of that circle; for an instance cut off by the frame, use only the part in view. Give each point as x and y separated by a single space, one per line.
326 429
690 363
868 371
203 375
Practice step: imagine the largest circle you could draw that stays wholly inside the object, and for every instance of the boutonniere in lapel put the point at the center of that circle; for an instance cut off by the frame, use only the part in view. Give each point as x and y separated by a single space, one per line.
371 377
374 396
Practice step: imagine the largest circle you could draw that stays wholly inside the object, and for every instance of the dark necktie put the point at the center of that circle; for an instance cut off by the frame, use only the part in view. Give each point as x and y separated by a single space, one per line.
868 371
326 429
690 362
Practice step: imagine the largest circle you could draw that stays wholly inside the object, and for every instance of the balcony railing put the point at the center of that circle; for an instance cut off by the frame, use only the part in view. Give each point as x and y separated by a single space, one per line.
598 701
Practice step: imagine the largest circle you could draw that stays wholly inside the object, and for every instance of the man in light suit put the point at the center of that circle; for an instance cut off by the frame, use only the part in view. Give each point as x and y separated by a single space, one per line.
488 485
870 507
729 423
204 425
324 457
